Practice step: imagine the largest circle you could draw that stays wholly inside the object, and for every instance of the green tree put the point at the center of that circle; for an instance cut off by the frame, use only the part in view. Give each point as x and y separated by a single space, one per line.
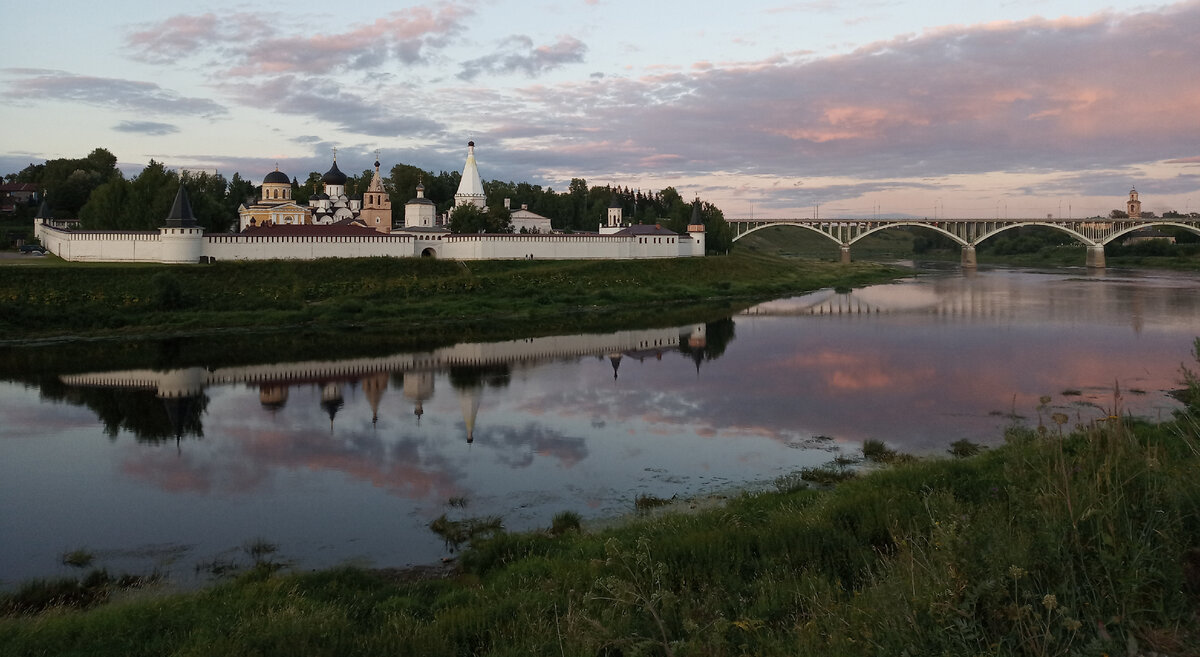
471 219
150 198
402 184
68 182
105 205
207 194
242 191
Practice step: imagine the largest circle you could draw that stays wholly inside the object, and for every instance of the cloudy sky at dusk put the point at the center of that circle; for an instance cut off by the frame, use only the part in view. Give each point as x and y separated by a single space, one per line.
769 108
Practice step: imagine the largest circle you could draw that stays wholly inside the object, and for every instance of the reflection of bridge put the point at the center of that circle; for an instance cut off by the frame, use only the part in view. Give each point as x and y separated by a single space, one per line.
1093 233
999 300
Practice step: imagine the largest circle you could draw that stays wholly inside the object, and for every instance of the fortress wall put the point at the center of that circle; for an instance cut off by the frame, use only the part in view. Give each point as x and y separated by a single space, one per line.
250 247
561 247
184 246
101 246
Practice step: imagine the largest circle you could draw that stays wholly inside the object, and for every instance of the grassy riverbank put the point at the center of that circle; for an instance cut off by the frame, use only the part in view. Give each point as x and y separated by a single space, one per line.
52 298
1058 542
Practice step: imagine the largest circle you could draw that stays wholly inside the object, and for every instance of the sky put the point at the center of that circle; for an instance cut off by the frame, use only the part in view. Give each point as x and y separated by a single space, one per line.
772 109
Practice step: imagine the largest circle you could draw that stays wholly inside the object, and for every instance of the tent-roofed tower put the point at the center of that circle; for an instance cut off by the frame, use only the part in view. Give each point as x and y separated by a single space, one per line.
470 189
377 205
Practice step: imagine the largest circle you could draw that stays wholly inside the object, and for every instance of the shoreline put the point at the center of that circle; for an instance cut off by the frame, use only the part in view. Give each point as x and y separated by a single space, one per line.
894 542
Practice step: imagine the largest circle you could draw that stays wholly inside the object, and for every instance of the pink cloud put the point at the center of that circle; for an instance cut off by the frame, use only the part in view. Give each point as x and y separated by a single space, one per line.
250 47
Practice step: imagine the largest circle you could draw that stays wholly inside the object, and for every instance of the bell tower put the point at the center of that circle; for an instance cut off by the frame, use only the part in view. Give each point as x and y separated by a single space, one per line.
377 205
1133 206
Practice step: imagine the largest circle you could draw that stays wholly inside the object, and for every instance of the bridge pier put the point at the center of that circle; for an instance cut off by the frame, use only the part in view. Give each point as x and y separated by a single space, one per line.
968 256
845 254
1095 257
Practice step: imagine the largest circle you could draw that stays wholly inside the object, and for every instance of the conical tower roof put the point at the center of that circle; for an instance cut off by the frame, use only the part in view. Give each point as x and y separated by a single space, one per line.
468 402
180 215
376 181
471 186
44 211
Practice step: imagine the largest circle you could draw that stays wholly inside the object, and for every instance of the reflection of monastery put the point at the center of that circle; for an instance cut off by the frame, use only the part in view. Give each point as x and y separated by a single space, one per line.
417 370
333 225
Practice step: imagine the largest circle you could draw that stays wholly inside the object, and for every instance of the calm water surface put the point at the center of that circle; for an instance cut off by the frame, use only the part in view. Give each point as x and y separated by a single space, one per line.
350 460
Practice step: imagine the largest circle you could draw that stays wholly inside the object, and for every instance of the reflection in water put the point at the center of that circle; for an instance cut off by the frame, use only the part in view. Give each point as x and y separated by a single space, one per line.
119 397
352 457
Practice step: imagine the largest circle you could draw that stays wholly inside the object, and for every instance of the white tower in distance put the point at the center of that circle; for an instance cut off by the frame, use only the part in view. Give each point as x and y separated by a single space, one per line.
470 189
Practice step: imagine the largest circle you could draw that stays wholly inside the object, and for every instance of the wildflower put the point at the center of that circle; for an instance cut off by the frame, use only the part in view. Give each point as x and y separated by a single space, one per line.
1016 572
1071 624
1049 602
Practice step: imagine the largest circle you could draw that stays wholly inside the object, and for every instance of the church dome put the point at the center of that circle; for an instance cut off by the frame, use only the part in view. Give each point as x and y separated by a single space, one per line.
334 176
277 176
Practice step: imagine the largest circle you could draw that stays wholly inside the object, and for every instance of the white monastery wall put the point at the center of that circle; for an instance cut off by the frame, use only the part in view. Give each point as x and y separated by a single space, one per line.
190 245
560 247
101 246
251 247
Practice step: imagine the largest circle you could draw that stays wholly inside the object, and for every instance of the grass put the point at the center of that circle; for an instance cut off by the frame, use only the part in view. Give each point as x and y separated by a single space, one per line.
564 522
878 451
71 299
828 474
457 533
1085 543
78 558
648 502
964 448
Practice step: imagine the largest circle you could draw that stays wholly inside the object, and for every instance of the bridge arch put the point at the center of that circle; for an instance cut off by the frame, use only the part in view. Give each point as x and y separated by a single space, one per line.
1083 239
918 224
1121 233
813 229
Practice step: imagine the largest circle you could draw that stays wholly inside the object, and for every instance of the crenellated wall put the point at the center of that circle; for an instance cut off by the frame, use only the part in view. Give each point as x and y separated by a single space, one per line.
237 246
190 245
100 246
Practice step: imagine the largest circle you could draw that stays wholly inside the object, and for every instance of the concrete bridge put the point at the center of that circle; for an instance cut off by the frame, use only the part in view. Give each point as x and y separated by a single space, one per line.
1093 233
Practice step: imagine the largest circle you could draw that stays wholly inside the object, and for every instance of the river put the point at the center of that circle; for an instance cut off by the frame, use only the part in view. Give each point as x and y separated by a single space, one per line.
159 466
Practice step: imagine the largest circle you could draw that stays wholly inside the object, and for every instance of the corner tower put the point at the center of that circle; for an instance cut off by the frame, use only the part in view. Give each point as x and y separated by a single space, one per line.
470 189
182 240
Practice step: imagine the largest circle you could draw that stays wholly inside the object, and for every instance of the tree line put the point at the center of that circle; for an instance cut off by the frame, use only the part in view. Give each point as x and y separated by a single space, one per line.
93 190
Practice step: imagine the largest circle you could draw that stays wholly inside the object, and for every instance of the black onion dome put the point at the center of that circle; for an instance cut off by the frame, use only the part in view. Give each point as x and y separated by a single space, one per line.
334 176
277 176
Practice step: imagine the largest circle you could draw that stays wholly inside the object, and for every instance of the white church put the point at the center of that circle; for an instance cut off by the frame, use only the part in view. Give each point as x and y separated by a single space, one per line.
335 226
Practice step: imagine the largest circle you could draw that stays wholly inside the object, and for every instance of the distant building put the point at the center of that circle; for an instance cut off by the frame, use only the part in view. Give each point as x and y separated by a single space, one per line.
275 206
420 212
14 194
376 212
1148 235
527 221
1133 205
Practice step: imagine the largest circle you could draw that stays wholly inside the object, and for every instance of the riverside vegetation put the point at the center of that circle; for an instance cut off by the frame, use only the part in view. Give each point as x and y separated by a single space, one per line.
51 298
1065 540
